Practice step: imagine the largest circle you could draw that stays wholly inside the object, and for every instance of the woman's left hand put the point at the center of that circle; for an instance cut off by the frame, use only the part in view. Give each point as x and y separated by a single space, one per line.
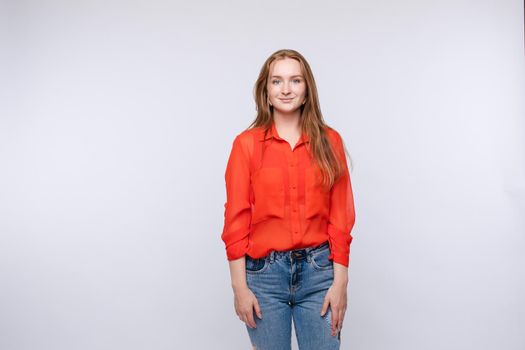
336 297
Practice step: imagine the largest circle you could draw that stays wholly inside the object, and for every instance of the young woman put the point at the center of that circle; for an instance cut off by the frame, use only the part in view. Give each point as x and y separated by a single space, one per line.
288 214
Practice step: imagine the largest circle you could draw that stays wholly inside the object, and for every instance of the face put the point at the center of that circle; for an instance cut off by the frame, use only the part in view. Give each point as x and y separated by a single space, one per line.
286 85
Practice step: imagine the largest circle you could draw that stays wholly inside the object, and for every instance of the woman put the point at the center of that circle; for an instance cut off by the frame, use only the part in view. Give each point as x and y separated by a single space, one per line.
288 214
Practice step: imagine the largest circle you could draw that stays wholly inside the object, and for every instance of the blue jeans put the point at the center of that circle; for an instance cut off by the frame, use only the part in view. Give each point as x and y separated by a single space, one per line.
292 285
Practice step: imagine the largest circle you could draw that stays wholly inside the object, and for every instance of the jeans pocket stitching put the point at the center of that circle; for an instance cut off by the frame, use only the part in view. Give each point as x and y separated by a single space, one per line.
262 269
314 264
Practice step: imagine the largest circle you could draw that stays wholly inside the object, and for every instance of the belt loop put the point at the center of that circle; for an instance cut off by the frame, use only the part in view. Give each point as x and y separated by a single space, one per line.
272 256
309 255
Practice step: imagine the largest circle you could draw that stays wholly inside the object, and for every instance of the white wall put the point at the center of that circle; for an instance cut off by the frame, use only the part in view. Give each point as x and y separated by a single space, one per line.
117 120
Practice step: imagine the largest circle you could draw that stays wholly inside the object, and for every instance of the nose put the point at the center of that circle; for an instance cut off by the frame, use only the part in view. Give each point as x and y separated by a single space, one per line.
286 89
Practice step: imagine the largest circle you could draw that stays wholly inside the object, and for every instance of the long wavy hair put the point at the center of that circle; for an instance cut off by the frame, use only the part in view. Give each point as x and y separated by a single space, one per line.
312 122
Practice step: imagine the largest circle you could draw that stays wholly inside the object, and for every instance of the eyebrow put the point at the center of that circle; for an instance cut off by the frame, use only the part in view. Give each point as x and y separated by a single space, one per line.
293 76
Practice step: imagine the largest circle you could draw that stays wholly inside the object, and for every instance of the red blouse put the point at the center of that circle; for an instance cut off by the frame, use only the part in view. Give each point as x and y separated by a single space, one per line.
273 203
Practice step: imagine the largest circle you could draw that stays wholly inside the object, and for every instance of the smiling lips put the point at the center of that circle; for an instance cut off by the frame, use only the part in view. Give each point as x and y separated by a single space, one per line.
286 99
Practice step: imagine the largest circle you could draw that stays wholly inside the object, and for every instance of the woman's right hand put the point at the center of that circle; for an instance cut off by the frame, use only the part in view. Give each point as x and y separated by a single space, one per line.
245 302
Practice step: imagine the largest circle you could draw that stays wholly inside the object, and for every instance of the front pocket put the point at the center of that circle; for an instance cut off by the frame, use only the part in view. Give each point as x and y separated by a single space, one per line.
320 259
256 265
268 191
317 200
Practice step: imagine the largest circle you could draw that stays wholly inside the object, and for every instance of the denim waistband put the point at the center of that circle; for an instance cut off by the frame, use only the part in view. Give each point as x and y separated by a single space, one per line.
297 254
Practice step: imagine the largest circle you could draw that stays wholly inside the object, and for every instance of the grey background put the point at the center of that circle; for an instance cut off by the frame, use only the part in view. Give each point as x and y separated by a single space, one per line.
117 118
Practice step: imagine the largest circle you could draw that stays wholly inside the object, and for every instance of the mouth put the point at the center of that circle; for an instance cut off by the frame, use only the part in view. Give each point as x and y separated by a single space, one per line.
285 100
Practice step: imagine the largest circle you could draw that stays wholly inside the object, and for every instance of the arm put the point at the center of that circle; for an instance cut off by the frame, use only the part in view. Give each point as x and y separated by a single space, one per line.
341 222
237 212
342 217
235 234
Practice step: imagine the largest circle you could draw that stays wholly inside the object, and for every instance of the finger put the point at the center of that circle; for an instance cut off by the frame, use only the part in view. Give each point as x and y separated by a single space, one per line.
342 312
341 318
257 309
334 321
244 319
251 320
337 327
325 306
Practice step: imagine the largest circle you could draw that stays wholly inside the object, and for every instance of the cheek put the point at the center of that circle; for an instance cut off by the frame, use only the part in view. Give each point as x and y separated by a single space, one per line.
272 91
301 90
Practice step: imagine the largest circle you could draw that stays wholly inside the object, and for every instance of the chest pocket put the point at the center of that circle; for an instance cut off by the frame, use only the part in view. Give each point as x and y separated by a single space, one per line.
317 200
268 193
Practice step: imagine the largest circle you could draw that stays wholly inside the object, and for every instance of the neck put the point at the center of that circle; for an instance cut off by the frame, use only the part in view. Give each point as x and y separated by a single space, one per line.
287 120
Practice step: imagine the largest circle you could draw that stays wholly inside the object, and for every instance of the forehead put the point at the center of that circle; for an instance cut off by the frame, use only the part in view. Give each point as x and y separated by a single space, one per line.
285 67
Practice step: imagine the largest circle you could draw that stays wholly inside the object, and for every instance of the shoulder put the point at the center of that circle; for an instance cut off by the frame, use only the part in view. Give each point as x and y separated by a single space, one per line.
333 135
244 140
246 137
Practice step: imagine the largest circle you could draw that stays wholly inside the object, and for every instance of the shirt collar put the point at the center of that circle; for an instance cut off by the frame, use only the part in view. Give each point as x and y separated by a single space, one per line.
273 133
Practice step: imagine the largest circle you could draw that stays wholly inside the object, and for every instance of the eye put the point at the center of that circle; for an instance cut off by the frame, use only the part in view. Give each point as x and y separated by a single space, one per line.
297 80
274 81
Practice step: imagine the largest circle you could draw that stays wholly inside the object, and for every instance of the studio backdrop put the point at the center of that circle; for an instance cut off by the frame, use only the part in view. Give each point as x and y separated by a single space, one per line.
117 119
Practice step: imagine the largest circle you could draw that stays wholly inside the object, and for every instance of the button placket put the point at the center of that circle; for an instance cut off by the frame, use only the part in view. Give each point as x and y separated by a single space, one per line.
292 166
